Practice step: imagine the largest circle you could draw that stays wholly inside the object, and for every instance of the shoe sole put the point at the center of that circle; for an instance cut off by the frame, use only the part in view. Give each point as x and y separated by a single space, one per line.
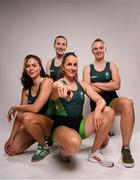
128 165
101 163
125 164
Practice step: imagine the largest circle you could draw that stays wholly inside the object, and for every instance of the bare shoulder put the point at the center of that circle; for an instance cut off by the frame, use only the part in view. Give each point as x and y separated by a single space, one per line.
113 65
48 65
25 91
49 61
87 67
47 80
83 84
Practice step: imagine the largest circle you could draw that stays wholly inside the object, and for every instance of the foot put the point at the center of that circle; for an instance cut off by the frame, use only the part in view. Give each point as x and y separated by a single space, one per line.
41 153
111 133
105 143
64 158
49 141
127 159
98 157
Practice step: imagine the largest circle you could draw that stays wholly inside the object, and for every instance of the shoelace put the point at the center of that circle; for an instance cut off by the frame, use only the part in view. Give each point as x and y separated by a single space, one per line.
127 153
41 150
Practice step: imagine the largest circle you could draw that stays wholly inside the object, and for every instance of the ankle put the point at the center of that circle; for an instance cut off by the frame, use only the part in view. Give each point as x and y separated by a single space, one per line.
125 147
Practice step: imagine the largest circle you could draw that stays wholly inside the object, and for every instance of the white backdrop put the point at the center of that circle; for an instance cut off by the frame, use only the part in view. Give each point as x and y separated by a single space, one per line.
30 26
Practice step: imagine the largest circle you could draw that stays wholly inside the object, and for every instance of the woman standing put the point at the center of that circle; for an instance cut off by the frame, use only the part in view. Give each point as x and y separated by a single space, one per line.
53 65
104 78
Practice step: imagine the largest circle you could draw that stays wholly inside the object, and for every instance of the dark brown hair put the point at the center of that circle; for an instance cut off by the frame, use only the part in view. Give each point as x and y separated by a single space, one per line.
26 81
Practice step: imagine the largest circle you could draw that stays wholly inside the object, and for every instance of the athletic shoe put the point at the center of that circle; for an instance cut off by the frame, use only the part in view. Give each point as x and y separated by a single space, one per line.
65 159
98 157
111 133
41 153
127 159
48 140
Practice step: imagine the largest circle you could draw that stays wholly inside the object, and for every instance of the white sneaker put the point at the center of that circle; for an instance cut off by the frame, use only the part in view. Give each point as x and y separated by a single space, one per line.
98 157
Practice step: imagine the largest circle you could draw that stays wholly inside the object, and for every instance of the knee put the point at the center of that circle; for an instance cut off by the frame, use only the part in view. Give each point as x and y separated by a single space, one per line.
73 146
130 104
127 105
109 112
27 119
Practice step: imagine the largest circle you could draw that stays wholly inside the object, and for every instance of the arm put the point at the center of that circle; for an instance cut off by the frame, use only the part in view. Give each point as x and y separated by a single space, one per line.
114 84
86 78
45 92
100 104
12 110
61 90
48 66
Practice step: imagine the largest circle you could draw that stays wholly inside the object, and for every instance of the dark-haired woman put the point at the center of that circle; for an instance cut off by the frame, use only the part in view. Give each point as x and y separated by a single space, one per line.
69 127
32 123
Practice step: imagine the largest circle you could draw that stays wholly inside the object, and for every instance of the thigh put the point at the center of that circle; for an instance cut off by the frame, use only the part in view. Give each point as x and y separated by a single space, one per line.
108 117
42 120
118 104
89 126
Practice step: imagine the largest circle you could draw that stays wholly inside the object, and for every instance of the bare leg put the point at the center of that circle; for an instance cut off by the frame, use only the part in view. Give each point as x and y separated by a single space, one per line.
124 107
95 155
38 126
101 134
67 139
22 141
19 139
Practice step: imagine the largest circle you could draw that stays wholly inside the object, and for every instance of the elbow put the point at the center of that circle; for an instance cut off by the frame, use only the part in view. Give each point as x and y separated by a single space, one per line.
117 87
104 102
35 110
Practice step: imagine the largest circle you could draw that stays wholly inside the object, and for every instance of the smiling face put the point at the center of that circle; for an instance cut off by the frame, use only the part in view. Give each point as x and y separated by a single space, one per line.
98 49
60 45
70 67
32 68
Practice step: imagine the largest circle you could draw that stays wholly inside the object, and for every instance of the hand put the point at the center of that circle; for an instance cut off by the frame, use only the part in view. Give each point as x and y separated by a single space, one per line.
97 120
11 113
64 91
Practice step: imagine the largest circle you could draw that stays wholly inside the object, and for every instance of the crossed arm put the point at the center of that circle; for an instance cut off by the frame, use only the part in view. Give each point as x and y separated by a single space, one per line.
114 84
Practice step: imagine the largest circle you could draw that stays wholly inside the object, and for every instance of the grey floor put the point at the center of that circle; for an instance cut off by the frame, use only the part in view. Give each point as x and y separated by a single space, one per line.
20 166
